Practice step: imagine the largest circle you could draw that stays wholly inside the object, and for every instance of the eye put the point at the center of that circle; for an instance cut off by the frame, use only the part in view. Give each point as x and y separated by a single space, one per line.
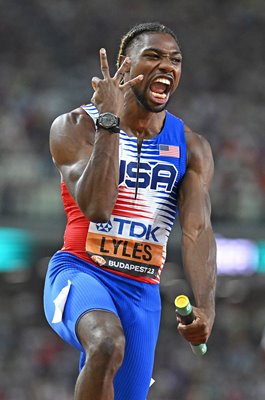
154 56
176 60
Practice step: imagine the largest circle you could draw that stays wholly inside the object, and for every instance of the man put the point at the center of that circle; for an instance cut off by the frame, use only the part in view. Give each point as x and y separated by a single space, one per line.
127 167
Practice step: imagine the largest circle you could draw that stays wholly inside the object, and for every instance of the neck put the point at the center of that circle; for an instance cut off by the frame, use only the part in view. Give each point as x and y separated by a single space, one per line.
136 121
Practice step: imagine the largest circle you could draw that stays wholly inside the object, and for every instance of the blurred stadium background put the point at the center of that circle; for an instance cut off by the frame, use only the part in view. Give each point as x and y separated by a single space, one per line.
49 52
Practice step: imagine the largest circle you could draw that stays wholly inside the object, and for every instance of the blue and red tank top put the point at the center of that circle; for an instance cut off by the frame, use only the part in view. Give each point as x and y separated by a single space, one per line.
133 242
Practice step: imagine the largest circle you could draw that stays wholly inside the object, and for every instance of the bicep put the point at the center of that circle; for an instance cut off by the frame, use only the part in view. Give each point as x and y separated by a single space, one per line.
194 199
194 203
71 145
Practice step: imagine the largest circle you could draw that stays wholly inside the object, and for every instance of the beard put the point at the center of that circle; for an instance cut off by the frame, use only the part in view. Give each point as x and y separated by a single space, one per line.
142 100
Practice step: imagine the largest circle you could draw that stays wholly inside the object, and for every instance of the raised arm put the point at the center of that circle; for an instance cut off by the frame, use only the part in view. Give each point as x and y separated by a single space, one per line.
198 243
88 158
88 162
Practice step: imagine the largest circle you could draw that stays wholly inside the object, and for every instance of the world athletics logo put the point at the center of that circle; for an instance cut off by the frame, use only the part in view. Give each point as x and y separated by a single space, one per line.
104 227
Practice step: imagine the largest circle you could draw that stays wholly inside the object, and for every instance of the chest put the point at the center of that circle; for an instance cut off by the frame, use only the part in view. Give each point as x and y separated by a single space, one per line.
154 166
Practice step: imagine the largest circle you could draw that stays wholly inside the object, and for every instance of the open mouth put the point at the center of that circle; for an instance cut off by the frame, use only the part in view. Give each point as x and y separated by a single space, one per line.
160 88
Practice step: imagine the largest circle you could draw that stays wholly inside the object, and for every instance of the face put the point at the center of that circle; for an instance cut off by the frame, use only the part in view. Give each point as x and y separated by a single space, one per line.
156 56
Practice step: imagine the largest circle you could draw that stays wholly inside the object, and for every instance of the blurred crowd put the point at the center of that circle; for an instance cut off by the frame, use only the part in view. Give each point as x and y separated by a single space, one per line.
49 52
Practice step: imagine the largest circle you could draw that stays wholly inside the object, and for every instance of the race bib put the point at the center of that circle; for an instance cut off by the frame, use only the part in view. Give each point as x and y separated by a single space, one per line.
131 247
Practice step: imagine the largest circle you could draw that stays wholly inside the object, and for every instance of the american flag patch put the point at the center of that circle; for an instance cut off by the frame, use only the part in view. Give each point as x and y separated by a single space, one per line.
169 151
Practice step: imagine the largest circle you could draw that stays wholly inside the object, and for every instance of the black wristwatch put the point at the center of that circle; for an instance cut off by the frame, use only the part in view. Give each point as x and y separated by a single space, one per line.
108 121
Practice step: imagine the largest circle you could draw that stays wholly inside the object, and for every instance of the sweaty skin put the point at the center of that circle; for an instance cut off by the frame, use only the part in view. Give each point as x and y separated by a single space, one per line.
198 243
88 160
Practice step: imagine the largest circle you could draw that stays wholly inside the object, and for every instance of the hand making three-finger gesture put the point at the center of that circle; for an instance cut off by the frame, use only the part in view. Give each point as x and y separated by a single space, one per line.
109 92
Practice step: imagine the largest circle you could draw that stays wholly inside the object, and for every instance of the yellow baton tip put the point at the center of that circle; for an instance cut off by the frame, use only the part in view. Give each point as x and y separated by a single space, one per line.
181 301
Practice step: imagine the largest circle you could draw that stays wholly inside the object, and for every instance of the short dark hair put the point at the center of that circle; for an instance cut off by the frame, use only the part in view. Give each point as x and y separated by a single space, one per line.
139 29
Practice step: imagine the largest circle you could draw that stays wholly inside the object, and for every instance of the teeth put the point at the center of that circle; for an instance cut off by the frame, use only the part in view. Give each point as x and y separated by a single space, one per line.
159 95
163 80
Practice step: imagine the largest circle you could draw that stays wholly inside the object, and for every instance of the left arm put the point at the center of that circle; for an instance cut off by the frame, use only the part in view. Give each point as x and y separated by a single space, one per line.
198 244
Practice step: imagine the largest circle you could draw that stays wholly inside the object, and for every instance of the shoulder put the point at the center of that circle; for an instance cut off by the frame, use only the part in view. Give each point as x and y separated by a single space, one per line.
199 153
71 120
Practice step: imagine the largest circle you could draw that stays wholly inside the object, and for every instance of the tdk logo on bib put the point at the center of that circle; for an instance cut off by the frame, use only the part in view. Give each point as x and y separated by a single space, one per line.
129 229
155 177
136 229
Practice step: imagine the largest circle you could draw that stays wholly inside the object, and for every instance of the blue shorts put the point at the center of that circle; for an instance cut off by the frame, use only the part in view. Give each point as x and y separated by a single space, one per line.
73 287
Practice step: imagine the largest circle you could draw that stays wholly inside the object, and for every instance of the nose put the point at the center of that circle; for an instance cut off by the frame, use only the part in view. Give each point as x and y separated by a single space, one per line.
166 64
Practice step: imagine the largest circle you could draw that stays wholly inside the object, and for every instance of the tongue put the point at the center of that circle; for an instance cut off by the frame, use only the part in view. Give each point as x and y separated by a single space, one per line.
158 87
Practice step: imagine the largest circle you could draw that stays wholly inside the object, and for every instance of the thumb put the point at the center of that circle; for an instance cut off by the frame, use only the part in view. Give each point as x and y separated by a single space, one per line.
94 82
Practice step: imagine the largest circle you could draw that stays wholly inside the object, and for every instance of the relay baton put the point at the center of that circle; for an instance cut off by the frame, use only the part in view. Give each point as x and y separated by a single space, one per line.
185 313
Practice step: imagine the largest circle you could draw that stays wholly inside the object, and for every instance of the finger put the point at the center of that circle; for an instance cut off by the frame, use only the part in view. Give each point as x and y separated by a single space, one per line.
94 82
104 63
133 82
125 67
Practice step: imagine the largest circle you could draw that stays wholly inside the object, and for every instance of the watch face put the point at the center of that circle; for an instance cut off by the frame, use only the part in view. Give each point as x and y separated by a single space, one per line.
108 120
